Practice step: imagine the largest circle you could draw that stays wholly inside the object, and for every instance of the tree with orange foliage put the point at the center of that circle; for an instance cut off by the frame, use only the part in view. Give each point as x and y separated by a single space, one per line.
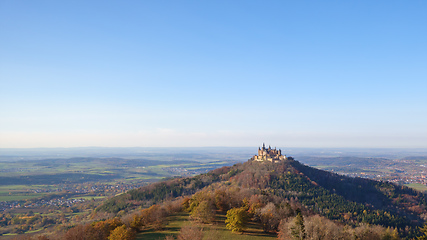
104 228
222 200
122 233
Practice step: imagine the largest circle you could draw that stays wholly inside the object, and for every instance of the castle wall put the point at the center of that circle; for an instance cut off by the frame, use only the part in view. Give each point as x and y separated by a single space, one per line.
271 155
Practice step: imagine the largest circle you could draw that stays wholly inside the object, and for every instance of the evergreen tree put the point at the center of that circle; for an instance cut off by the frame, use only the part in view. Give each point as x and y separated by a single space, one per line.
298 230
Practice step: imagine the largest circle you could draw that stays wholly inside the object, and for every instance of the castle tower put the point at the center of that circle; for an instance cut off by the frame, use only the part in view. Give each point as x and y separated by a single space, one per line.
269 154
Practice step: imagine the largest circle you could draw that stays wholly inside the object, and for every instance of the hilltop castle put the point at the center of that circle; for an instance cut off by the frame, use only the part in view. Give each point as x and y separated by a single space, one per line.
269 154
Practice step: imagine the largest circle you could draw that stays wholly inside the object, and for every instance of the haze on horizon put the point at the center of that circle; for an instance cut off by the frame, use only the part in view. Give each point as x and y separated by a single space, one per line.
220 73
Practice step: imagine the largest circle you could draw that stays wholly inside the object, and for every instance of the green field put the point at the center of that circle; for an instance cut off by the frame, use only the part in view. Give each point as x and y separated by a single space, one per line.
89 197
21 180
20 192
20 197
417 186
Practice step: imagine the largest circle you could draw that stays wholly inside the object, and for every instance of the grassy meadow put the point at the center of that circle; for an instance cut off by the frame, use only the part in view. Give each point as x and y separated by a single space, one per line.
417 186
216 230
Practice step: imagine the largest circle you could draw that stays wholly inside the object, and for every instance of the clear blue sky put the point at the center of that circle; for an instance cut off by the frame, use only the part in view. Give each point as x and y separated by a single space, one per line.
213 73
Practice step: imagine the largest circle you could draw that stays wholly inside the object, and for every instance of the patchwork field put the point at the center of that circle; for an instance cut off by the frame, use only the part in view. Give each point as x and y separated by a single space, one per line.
22 180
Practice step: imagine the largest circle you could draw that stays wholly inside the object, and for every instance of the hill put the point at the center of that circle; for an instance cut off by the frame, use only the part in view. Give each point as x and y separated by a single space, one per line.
348 200
268 196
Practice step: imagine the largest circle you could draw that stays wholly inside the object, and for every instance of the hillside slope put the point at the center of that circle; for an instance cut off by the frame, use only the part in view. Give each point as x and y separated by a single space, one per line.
349 200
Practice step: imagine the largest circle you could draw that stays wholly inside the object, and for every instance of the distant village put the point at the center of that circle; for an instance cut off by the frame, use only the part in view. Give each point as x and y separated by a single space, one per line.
411 174
402 172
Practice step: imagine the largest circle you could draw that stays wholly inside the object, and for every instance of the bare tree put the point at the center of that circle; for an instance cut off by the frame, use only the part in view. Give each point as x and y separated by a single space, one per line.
190 232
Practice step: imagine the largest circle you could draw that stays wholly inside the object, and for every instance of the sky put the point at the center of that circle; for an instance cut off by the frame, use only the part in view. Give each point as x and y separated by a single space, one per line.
213 73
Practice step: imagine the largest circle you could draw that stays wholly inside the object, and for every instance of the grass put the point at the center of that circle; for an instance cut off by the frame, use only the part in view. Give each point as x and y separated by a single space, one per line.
216 230
13 187
88 197
322 166
172 228
17 197
253 232
10 234
34 231
417 186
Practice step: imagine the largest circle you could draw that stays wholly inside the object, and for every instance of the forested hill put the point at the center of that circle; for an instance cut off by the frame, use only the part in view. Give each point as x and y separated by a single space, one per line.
349 200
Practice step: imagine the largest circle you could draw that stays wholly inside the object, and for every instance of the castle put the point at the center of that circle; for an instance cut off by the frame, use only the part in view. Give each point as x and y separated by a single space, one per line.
269 154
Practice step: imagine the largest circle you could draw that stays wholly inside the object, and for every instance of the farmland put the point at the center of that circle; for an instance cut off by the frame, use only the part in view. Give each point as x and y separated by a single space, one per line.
64 190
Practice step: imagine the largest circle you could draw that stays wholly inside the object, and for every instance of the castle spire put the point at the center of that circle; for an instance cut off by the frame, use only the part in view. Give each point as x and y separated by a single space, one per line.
269 154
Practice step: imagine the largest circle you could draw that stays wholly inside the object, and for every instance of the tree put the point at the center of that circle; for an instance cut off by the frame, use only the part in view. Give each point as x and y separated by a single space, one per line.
298 230
203 212
269 217
293 228
42 237
222 200
82 232
423 230
122 233
136 222
321 228
237 219
190 233
153 216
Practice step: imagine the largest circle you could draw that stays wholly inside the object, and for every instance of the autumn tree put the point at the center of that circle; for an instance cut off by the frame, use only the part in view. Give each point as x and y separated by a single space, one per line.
190 232
153 216
373 232
103 228
237 219
269 217
255 203
122 233
82 232
321 228
423 230
174 206
204 212
293 229
42 237
222 200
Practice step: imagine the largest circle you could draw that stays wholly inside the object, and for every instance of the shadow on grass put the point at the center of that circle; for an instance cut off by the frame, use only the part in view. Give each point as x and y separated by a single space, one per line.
218 228
153 236
173 226
253 229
